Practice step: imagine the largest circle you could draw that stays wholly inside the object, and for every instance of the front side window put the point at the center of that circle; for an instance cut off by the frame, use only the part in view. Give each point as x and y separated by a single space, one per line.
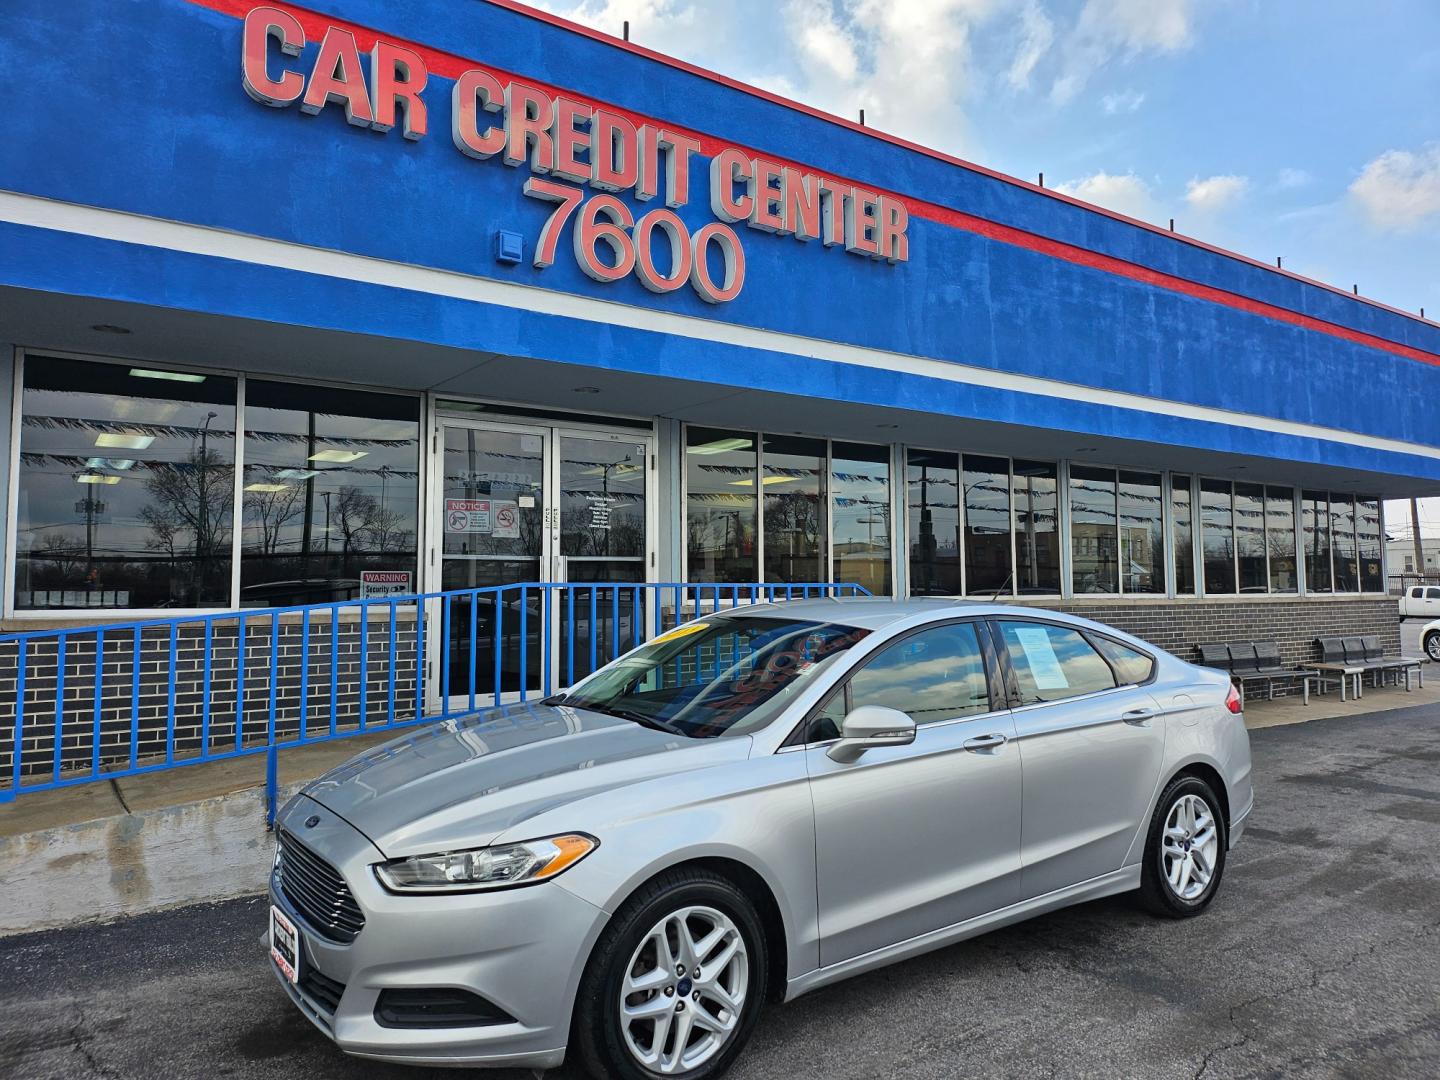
719 676
331 493
1052 663
720 504
936 674
126 487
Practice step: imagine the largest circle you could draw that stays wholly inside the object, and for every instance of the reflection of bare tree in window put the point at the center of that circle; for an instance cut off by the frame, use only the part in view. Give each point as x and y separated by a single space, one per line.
272 511
364 527
65 554
194 497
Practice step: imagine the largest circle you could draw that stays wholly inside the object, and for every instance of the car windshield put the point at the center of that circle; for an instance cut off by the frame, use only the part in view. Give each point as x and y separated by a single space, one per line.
720 676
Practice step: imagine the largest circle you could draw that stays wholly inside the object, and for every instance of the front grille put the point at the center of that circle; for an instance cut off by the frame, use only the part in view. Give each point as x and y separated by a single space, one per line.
437 1007
318 892
321 989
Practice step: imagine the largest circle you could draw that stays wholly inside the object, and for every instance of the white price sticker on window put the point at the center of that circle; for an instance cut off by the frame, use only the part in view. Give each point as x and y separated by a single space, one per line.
1045 666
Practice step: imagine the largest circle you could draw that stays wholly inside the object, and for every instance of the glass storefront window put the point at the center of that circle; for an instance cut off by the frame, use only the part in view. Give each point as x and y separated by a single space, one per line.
987 525
1250 542
331 491
1217 537
1182 523
1037 527
794 504
1342 543
1142 533
1315 529
721 507
860 488
126 487
1368 531
933 487
1280 538
1094 558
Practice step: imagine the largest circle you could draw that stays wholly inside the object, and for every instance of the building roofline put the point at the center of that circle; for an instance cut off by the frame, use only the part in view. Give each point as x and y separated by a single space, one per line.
754 91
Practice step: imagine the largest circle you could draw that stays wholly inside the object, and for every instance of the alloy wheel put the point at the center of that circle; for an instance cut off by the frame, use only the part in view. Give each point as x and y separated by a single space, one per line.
684 990
1189 847
1432 647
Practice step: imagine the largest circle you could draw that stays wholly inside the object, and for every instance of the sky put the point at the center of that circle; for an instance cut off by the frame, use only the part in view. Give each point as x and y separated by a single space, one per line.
1301 129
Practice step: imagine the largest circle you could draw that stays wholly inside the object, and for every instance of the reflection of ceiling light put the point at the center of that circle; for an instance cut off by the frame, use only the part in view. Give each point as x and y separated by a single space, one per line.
720 446
120 464
297 474
266 487
124 442
172 376
96 478
767 481
339 457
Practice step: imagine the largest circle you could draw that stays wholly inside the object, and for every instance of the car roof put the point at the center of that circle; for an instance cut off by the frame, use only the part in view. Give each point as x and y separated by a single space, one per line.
876 612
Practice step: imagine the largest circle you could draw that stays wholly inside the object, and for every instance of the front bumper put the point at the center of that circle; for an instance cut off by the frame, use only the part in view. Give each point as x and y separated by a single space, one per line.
522 949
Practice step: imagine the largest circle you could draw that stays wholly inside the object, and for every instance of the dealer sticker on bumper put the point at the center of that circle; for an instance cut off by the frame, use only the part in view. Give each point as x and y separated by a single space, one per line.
284 945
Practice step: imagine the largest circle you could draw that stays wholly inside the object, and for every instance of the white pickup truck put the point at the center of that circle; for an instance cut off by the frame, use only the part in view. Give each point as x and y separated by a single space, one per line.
1420 602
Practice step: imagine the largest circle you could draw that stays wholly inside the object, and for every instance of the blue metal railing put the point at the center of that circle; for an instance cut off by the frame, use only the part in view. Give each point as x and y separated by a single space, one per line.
102 702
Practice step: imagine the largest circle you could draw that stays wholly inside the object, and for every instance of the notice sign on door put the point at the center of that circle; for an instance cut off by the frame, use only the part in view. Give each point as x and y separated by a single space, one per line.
467 515
378 584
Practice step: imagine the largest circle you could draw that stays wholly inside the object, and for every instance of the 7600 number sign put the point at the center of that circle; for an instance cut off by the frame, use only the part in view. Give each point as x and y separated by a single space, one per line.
605 220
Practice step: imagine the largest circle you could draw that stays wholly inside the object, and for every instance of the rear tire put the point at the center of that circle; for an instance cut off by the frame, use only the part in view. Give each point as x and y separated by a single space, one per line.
684 920
1184 856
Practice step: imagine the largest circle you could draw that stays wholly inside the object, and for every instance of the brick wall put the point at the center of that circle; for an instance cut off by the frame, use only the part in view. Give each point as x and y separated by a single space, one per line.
1178 626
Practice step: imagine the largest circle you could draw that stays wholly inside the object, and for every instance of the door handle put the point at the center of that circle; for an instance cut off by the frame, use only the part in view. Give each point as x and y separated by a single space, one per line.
1139 717
992 741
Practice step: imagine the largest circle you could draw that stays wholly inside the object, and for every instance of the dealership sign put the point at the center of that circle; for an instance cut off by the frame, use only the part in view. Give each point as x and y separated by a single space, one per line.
572 150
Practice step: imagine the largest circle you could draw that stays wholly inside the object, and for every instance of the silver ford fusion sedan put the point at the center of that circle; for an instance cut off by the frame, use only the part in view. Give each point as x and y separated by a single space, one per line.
751 806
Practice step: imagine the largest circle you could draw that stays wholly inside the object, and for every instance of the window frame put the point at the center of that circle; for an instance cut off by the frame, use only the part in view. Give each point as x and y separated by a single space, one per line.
796 738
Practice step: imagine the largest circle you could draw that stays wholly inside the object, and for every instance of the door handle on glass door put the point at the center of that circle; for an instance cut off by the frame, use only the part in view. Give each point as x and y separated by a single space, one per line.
1138 716
992 741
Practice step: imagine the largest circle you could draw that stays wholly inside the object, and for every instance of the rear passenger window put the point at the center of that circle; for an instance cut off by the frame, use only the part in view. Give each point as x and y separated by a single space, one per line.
1432 594
1054 662
1131 665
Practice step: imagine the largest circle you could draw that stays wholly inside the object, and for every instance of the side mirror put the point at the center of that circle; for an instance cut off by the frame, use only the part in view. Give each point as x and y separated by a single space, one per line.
870 726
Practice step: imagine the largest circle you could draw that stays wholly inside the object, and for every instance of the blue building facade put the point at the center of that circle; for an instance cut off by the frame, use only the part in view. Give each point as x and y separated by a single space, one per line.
363 297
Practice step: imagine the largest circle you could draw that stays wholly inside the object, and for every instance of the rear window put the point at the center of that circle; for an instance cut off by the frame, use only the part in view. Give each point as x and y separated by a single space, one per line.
1131 665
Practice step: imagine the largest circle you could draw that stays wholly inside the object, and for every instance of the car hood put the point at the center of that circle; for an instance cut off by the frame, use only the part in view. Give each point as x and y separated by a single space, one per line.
462 782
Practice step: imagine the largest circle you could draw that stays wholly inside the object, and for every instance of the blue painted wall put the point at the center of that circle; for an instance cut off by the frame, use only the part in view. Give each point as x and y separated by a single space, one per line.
137 105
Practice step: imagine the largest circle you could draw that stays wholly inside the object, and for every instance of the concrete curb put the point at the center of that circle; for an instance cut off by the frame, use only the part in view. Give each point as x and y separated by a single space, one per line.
128 864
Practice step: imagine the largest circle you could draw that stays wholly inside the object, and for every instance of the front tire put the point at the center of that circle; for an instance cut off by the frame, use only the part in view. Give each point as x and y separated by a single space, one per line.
1432 646
1184 850
675 983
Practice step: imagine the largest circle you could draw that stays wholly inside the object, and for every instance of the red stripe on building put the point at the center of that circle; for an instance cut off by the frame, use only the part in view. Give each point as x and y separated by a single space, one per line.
451 66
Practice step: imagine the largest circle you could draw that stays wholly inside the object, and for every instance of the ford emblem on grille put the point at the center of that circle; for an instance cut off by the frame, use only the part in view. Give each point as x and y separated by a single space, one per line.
312 821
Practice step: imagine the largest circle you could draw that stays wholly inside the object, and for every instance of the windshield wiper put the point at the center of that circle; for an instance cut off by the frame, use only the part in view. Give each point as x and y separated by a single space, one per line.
637 717
555 699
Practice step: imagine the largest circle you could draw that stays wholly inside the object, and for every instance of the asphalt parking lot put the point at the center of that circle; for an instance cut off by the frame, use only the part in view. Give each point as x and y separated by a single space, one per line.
1321 957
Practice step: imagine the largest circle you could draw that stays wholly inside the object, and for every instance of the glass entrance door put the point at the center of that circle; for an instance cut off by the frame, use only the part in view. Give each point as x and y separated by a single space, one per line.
519 504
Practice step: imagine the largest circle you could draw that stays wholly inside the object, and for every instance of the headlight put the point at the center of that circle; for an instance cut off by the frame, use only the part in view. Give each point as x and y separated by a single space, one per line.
487 867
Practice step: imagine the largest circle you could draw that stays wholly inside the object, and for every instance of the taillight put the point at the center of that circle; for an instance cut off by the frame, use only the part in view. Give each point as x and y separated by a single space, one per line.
1232 700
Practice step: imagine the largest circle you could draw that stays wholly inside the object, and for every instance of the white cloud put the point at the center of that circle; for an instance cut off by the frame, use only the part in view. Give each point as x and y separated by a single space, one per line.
1107 29
1037 34
1126 101
668 26
1215 192
1125 194
1289 179
1400 190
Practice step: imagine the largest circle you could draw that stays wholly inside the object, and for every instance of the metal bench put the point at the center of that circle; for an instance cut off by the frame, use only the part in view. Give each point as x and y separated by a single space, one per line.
1371 653
1256 662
